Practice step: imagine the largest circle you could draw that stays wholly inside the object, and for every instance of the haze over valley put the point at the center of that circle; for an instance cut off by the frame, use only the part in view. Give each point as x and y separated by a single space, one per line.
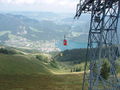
43 31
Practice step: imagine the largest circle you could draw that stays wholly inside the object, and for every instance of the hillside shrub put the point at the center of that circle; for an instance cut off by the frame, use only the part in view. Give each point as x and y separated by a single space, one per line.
117 66
7 51
105 70
54 64
42 58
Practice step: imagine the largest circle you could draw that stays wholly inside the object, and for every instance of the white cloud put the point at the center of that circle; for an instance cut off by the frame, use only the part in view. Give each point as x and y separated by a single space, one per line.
18 1
63 2
49 5
24 1
49 1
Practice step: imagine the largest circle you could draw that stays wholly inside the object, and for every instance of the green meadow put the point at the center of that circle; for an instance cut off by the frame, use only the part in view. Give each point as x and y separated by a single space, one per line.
25 72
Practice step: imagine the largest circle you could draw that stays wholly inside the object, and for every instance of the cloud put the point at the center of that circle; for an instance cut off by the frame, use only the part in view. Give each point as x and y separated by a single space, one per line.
18 1
49 5
62 2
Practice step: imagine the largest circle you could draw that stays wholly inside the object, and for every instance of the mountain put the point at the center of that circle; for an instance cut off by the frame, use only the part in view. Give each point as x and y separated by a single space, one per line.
31 28
39 15
42 30
39 34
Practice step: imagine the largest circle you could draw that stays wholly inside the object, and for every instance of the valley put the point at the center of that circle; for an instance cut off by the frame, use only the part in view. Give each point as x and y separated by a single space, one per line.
43 35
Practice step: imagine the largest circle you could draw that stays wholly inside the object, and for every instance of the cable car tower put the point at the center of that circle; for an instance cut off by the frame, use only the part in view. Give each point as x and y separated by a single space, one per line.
102 43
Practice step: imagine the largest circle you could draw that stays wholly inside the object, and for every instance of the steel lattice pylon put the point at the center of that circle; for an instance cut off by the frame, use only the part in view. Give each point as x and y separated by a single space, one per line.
102 43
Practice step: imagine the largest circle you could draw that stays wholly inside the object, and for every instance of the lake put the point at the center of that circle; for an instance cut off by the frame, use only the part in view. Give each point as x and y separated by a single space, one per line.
71 45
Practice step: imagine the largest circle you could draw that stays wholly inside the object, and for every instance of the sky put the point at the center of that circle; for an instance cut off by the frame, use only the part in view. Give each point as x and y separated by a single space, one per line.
39 5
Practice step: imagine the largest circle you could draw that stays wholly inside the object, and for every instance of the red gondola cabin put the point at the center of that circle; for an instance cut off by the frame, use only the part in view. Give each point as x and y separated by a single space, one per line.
65 42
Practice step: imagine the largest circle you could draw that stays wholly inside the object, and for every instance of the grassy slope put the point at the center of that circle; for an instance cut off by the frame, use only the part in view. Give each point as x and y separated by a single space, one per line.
41 82
24 72
21 64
